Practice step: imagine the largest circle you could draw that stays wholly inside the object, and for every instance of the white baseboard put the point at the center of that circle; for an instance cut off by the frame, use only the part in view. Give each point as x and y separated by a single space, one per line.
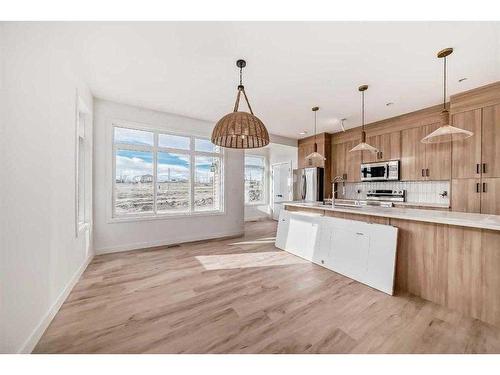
177 241
37 333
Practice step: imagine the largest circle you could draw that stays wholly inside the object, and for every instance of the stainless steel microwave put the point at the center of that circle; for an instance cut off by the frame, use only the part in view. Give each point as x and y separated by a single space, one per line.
380 171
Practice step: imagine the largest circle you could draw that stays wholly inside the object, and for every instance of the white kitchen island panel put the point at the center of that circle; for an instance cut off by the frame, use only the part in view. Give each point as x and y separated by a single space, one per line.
362 251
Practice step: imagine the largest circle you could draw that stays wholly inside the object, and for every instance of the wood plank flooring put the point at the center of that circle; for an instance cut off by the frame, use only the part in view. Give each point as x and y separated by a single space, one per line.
245 296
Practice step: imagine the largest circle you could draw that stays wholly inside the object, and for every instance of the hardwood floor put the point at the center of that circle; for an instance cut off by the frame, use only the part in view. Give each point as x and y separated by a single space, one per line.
245 296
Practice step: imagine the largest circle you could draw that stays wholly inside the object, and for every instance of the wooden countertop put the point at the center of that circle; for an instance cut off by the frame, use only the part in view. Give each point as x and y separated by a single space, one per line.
462 219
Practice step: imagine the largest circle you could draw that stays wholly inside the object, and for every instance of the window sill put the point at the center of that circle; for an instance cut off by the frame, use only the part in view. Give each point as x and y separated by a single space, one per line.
128 219
256 204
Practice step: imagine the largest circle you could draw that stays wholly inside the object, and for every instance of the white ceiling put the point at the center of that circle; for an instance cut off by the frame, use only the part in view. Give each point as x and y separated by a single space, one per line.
189 68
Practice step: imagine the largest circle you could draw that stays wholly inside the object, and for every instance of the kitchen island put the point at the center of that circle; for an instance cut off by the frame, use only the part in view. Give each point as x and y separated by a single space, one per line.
450 258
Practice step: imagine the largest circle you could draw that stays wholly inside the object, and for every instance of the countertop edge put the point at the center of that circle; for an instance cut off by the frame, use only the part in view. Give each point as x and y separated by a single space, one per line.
461 222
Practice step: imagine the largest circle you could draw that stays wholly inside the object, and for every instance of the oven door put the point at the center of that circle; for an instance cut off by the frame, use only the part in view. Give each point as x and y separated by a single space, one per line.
374 172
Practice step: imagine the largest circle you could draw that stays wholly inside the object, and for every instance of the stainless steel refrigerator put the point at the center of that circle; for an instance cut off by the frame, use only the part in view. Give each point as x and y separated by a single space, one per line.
308 184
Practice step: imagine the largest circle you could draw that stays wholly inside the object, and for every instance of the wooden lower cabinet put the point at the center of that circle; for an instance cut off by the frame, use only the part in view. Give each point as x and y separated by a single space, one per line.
476 195
457 267
466 195
490 196
453 266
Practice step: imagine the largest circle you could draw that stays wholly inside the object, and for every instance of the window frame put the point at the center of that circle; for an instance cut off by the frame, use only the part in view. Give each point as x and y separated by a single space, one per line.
265 187
81 128
154 214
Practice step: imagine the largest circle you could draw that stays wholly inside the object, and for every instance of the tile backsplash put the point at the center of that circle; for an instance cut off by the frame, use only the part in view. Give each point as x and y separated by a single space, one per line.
424 192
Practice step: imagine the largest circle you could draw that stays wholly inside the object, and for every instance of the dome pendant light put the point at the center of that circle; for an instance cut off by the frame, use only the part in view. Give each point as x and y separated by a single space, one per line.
315 155
446 132
363 146
240 129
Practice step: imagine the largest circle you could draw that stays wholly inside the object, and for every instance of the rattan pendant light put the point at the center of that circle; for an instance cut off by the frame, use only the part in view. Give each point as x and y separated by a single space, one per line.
240 129
315 155
446 132
363 146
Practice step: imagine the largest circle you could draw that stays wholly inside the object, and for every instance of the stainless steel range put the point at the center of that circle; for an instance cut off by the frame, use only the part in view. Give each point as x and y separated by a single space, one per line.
386 195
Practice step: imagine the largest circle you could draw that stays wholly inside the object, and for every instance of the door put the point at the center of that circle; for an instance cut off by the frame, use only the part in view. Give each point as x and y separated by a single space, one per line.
490 196
281 186
437 157
490 141
412 154
466 195
466 160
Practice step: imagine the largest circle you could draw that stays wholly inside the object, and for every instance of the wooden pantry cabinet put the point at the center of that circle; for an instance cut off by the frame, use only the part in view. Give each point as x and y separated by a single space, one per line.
475 163
424 162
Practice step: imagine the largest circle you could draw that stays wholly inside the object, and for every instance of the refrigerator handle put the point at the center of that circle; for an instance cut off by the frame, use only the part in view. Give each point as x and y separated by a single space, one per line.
304 186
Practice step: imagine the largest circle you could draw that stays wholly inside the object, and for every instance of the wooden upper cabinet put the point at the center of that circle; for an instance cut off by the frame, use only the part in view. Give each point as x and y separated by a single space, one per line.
466 154
412 154
490 196
490 142
389 146
437 157
306 147
346 164
352 162
421 161
338 162
466 195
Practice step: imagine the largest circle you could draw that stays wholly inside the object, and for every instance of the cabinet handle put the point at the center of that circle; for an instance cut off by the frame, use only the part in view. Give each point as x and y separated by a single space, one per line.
484 187
477 187
477 169
423 175
484 167
427 172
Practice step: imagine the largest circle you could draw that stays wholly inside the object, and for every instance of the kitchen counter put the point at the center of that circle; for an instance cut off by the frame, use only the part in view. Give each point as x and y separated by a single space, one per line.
482 221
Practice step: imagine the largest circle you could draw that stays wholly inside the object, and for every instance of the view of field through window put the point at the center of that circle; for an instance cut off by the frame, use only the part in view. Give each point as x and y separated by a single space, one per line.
254 179
137 183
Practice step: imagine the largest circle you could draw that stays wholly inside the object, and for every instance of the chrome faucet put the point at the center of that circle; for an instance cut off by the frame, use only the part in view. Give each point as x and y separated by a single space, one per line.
335 180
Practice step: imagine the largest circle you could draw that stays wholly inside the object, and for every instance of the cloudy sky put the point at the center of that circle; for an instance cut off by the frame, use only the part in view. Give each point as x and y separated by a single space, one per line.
130 163
137 163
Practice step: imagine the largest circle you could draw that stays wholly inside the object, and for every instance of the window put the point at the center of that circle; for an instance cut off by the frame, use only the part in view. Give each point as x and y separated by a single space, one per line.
255 179
162 174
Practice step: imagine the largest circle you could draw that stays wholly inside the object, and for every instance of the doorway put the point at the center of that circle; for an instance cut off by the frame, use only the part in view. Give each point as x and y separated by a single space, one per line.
281 186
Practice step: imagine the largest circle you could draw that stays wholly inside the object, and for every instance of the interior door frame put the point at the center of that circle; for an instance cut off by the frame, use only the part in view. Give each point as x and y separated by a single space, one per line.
290 176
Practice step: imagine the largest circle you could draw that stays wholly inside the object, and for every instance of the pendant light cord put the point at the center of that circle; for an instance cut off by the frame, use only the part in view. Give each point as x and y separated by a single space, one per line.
241 89
315 127
444 84
362 110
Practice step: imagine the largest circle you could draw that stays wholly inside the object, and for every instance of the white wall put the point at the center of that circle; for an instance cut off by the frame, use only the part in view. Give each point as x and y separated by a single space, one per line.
40 255
113 236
